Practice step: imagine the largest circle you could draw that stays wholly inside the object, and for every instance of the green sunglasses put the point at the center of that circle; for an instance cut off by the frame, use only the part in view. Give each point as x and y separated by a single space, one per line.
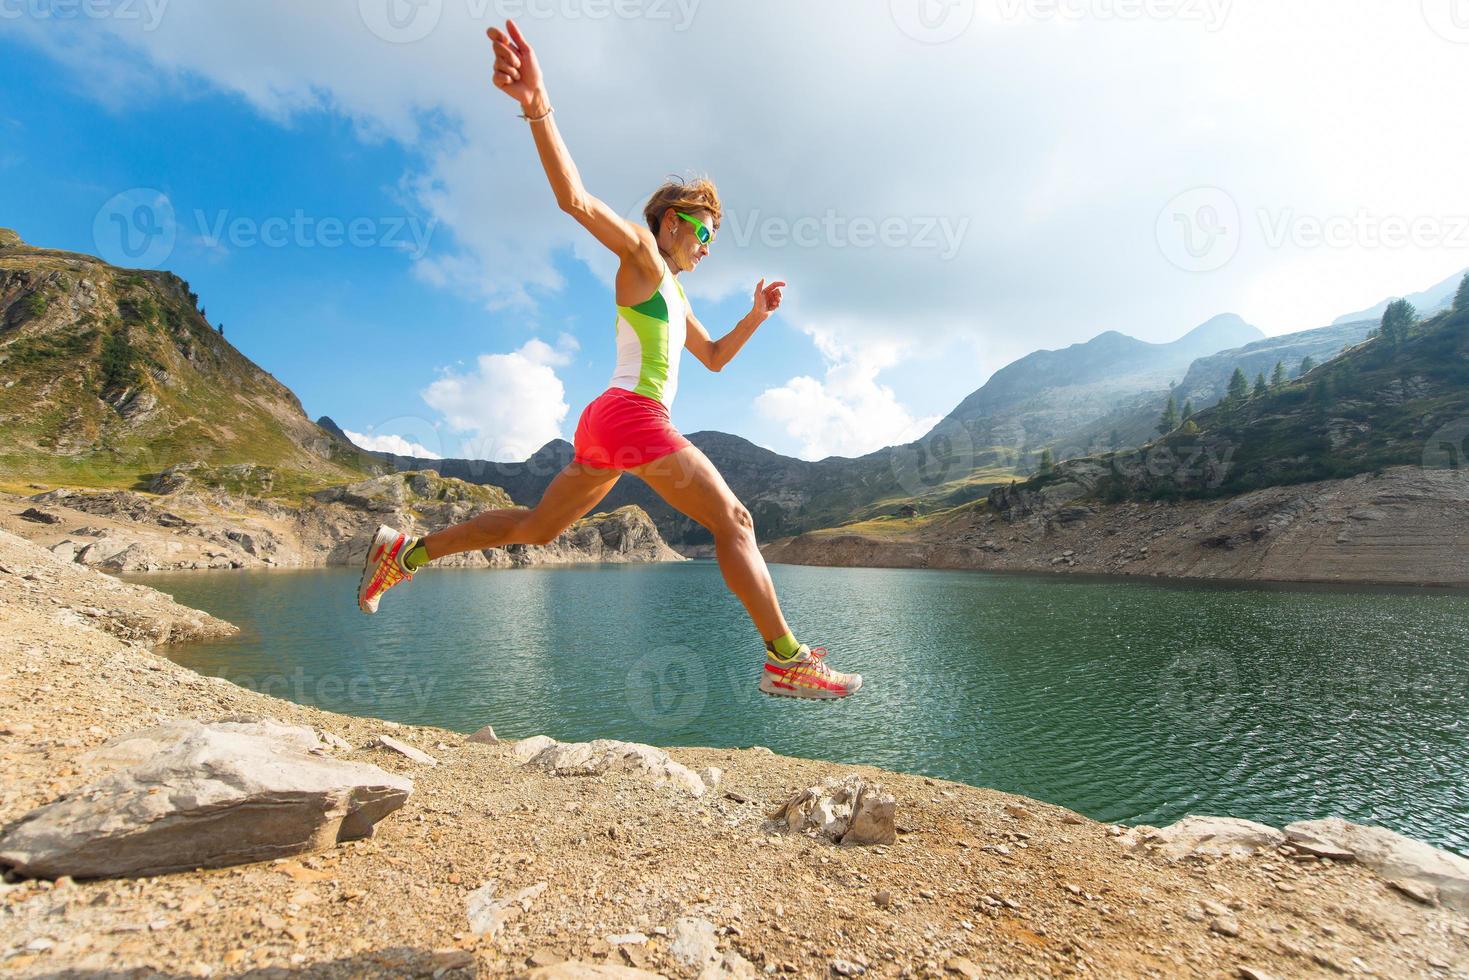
700 229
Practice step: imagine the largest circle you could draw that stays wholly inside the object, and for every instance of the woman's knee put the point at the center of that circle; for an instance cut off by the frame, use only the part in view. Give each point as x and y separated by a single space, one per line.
734 518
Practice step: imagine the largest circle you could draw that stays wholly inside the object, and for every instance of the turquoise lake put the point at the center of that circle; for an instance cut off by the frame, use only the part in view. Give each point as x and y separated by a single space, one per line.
1135 702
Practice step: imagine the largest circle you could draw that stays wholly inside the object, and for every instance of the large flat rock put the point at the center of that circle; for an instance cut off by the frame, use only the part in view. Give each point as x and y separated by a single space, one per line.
1397 858
188 795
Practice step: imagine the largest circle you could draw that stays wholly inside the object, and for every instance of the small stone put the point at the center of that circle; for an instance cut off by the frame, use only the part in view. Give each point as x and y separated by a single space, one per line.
1417 893
404 749
485 736
692 942
450 959
884 899
545 957
962 966
1225 925
846 968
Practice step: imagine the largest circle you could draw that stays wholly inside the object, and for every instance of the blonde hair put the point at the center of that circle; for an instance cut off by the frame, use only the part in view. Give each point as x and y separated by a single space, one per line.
698 194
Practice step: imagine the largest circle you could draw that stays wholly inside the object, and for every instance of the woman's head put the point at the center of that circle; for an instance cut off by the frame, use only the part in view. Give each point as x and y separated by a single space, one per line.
679 238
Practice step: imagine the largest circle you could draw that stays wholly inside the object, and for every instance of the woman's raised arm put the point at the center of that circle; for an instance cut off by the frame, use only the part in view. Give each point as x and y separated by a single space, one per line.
518 75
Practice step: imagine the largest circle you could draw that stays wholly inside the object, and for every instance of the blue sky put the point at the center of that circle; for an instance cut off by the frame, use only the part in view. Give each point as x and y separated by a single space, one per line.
349 329
1046 171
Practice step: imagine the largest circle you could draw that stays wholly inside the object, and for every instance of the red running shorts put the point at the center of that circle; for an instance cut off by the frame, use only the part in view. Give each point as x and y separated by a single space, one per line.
622 429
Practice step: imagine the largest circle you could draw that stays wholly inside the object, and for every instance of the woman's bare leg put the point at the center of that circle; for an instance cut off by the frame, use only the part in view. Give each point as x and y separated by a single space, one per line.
688 481
571 495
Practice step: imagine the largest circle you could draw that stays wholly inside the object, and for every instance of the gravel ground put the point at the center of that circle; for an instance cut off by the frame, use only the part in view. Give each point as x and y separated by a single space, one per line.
979 883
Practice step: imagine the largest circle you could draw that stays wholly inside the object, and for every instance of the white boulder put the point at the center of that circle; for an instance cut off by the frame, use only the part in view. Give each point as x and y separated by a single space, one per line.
846 810
187 795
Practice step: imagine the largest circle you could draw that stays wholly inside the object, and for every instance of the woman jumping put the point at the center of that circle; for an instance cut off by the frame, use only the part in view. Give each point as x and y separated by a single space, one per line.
627 427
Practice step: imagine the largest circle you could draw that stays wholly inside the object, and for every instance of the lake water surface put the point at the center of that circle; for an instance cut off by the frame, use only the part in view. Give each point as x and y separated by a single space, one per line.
1133 702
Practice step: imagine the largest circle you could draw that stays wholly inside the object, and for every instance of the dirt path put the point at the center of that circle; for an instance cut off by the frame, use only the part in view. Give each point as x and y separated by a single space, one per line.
979 883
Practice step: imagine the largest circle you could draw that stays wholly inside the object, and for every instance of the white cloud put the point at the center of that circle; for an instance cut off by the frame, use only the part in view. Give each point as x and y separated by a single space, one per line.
848 413
511 404
388 443
1047 138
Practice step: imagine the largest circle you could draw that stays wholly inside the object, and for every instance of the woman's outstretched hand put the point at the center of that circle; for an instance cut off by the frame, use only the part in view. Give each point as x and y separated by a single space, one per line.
767 298
517 73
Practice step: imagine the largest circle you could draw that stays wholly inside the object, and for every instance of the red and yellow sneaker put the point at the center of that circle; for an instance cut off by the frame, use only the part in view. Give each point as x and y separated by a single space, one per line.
806 675
382 568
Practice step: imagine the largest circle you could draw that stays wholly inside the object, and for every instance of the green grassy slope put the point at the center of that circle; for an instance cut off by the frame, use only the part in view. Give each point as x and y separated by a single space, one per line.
110 376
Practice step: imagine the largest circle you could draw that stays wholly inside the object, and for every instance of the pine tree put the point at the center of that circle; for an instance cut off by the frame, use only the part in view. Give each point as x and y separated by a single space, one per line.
1461 299
1188 410
1308 364
1239 387
1397 321
1048 463
1277 377
1169 421
1260 386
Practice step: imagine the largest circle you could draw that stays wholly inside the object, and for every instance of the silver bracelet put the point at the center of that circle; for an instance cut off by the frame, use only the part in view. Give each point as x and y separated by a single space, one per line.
549 110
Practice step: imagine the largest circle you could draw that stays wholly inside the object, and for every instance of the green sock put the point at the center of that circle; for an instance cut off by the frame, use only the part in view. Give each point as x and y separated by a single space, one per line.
784 647
417 555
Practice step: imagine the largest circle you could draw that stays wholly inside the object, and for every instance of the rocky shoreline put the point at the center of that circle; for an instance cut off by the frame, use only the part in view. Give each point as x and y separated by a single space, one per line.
1404 526
185 526
603 859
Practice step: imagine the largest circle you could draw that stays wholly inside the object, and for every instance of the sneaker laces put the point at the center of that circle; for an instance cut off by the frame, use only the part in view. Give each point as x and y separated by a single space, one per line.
813 657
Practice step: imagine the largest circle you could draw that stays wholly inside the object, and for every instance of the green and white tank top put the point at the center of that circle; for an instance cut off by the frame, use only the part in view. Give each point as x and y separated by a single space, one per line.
650 337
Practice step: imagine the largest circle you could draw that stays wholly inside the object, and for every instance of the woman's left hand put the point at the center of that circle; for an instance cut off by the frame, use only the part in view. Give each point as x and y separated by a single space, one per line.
767 298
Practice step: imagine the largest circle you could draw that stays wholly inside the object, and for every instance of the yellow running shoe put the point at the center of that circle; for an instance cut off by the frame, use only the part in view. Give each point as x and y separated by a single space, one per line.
382 567
806 675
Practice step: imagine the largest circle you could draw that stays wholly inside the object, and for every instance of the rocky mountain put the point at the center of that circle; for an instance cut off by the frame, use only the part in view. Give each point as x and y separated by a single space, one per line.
1434 299
1207 380
1384 402
109 376
961 459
